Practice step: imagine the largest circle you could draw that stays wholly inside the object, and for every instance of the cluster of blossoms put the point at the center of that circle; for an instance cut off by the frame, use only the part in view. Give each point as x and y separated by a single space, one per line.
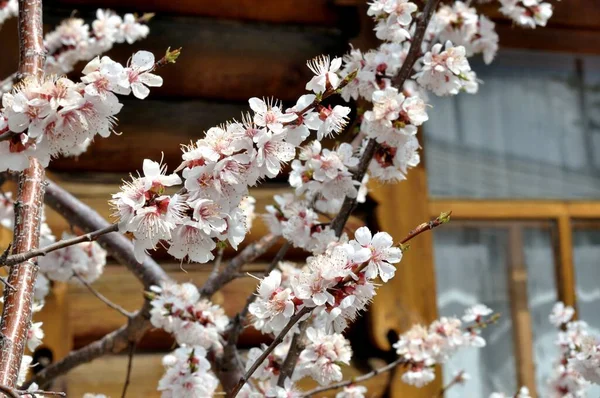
297 222
322 356
421 348
460 24
187 374
8 9
527 13
337 284
194 322
446 71
73 41
324 176
218 169
86 260
578 363
393 19
57 116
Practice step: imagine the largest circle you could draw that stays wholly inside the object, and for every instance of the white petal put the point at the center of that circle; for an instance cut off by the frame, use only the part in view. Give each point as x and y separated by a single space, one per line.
142 60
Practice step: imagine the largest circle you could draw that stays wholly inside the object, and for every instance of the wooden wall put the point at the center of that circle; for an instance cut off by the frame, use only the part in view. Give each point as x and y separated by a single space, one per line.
233 50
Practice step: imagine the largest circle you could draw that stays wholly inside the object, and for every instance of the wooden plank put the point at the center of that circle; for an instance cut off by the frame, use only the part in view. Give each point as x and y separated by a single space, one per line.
223 60
565 267
514 209
232 61
409 297
521 318
289 11
106 376
57 330
585 41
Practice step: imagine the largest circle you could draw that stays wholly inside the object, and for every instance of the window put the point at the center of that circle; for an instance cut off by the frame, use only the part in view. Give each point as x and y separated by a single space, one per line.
491 159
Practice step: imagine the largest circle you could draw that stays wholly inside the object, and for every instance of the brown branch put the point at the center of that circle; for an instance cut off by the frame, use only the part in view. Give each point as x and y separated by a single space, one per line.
293 320
441 219
248 254
228 364
148 272
356 380
103 298
13 392
217 263
91 236
291 359
114 343
458 379
16 313
414 53
340 220
129 366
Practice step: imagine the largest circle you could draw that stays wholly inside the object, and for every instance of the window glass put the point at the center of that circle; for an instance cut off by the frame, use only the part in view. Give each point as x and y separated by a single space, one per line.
532 131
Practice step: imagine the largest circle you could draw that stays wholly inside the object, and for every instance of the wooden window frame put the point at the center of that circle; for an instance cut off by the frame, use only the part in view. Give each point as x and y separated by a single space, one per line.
561 212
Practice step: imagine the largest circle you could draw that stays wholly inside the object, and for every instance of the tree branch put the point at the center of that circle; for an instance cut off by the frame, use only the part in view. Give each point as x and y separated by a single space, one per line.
16 313
293 320
19 258
129 366
248 254
414 53
103 298
296 347
114 343
356 380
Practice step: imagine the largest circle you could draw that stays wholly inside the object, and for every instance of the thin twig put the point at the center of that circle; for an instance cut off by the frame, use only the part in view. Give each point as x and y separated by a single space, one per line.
293 320
129 366
13 392
91 236
5 282
103 298
356 380
427 226
459 378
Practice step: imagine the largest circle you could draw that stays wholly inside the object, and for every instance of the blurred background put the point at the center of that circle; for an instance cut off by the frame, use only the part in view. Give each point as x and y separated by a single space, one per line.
518 164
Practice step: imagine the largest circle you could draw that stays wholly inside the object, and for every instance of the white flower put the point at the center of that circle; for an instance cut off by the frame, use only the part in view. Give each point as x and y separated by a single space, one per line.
7 214
561 314
476 313
325 71
268 114
383 254
35 334
24 369
287 391
139 76
187 374
321 357
328 121
272 152
274 305
352 391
